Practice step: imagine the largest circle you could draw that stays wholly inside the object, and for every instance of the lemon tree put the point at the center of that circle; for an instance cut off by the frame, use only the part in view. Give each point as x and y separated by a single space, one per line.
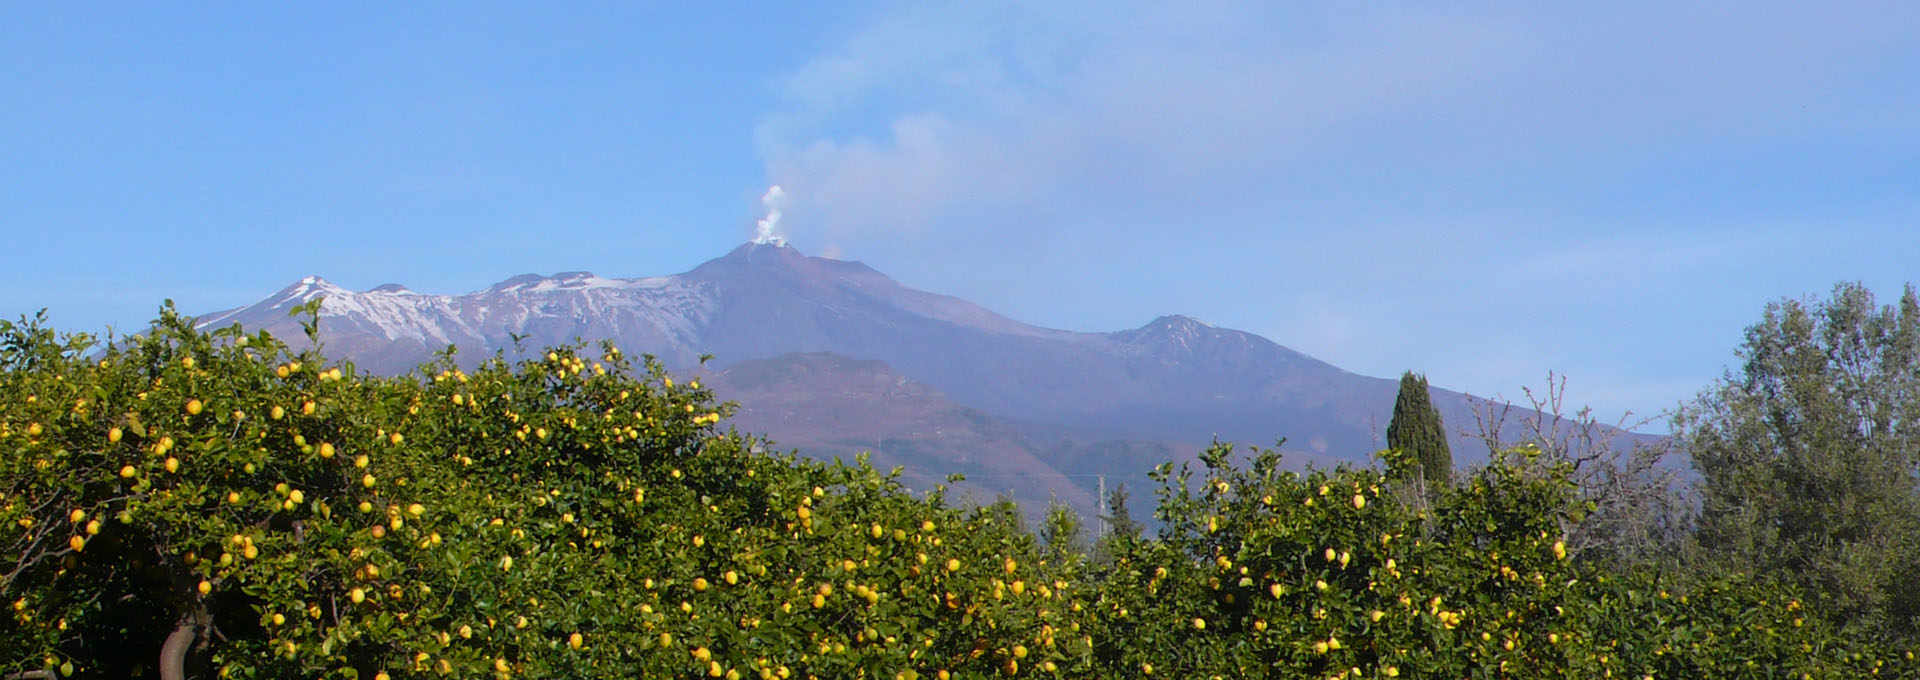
1265 572
194 504
214 502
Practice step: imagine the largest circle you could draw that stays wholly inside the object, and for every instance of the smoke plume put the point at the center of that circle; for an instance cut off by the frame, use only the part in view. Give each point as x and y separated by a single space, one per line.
767 229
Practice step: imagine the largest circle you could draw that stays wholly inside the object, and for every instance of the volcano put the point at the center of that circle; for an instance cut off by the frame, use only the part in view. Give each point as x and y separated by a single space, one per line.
1067 407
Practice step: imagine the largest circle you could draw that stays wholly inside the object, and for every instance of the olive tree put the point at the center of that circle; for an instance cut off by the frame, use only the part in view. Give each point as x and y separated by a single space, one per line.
1808 454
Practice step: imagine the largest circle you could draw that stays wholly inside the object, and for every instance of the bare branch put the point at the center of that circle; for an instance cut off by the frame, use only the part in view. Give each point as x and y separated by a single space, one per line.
1634 508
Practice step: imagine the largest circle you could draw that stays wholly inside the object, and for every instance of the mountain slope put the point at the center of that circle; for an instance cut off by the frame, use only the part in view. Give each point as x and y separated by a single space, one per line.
829 405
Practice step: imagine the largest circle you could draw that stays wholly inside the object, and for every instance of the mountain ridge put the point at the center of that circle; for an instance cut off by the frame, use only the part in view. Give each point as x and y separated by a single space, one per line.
1174 379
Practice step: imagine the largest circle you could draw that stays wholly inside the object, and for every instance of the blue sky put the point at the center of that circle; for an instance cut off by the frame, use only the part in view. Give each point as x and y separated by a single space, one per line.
1484 192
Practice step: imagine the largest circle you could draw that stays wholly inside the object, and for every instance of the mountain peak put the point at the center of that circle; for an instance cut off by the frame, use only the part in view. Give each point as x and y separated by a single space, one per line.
1176 330
1177 322
763 249
306 289
1170 326
782 261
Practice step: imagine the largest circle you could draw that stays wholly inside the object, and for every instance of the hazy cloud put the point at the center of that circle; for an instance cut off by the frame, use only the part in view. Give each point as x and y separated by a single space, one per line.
1467 168
1004 103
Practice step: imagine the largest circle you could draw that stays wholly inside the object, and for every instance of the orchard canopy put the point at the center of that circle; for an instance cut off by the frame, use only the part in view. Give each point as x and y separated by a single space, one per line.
190 504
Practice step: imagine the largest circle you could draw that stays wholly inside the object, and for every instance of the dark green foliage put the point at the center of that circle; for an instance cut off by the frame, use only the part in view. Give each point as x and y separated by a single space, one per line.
1808 456
1416 432
1120 521
1060 531
1008 510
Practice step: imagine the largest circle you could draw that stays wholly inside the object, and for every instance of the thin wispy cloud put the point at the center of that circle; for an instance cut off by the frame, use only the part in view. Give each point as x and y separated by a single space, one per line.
974 106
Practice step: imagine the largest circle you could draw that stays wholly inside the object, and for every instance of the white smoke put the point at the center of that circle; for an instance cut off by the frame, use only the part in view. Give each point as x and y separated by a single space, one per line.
767 230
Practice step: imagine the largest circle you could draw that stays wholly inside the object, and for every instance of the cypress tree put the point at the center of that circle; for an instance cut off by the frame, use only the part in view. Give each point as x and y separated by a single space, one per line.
1415 431
1120 519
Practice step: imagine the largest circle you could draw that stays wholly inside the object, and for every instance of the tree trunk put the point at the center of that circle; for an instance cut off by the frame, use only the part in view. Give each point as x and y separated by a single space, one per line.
173 653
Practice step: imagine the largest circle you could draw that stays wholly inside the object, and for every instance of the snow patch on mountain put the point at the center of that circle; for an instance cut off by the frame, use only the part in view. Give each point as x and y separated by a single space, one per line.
668 303
668 308
308 288
1175 332
530 283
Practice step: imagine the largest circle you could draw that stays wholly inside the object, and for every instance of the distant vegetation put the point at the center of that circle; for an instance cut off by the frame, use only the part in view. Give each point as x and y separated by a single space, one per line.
217 505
